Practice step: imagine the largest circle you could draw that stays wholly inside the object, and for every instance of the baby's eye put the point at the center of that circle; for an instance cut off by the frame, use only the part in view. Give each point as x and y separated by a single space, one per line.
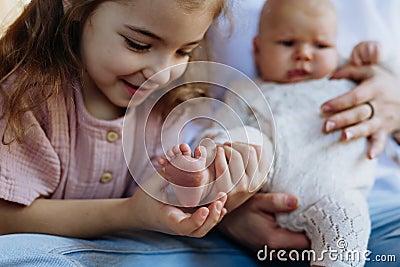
136 46
321 46
287 43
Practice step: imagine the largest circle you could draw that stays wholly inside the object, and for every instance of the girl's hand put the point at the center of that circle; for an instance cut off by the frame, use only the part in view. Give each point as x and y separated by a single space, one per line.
371 109
146 213
253 223
240 171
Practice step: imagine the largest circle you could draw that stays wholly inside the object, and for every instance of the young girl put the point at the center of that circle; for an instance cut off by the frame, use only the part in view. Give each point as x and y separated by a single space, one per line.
68 73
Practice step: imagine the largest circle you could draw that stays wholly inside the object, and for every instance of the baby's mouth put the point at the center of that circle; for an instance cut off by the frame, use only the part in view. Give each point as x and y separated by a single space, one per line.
297 73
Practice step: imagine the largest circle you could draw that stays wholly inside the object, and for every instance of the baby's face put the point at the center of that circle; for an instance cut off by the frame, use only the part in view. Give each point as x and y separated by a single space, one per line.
296 44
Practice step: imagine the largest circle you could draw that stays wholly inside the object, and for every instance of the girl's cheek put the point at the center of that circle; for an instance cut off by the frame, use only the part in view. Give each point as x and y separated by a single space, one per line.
179 70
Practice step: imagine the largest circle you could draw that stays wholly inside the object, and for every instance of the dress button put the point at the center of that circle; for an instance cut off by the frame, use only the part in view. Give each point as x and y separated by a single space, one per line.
106 178
112 136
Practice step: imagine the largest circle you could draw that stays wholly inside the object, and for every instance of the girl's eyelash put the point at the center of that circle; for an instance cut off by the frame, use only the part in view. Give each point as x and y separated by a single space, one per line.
144 48
185 53
135 46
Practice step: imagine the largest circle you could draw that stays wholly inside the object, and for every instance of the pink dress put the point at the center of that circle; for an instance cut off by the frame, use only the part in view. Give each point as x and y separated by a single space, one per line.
69 154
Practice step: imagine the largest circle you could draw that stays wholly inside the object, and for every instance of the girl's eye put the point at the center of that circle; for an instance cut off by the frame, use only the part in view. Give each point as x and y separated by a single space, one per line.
137 47
287 43
184 53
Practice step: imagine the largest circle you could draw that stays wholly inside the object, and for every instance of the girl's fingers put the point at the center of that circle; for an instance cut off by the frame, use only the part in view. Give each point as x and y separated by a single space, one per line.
223 213
182 223
348 117
265 157
253 171
378 141
198 223
246 151
243 149
222 182
252 162
235 164
213 218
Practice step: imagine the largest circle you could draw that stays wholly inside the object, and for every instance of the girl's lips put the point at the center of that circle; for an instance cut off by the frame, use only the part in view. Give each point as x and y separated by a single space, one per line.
133 89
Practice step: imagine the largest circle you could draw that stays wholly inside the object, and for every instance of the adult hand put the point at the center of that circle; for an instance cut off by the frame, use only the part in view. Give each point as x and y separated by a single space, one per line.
253 223
371 109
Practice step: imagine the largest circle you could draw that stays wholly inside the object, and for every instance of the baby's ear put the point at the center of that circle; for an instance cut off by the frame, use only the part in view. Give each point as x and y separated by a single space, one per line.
256 41
256 49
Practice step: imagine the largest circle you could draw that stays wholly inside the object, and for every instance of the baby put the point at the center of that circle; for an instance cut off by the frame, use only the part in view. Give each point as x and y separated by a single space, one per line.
295 51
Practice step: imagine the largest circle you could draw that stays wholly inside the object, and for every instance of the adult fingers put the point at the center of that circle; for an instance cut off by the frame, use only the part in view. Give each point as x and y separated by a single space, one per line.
363 129
274 202
280 236
355 73
378 141
348 117
362 93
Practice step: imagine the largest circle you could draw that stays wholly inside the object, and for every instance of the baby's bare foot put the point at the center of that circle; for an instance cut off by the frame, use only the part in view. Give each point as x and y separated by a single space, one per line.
183 169
187 172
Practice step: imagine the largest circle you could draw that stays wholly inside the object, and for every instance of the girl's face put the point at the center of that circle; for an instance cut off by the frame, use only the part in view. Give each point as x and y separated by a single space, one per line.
124 44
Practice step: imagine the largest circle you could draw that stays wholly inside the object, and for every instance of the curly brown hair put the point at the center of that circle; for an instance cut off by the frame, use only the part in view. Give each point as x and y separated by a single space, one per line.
40 55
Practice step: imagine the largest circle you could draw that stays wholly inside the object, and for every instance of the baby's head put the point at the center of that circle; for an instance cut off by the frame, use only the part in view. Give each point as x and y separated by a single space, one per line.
296 40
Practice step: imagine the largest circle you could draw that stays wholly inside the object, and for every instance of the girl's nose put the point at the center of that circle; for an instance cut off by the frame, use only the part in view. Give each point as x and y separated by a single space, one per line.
159 71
